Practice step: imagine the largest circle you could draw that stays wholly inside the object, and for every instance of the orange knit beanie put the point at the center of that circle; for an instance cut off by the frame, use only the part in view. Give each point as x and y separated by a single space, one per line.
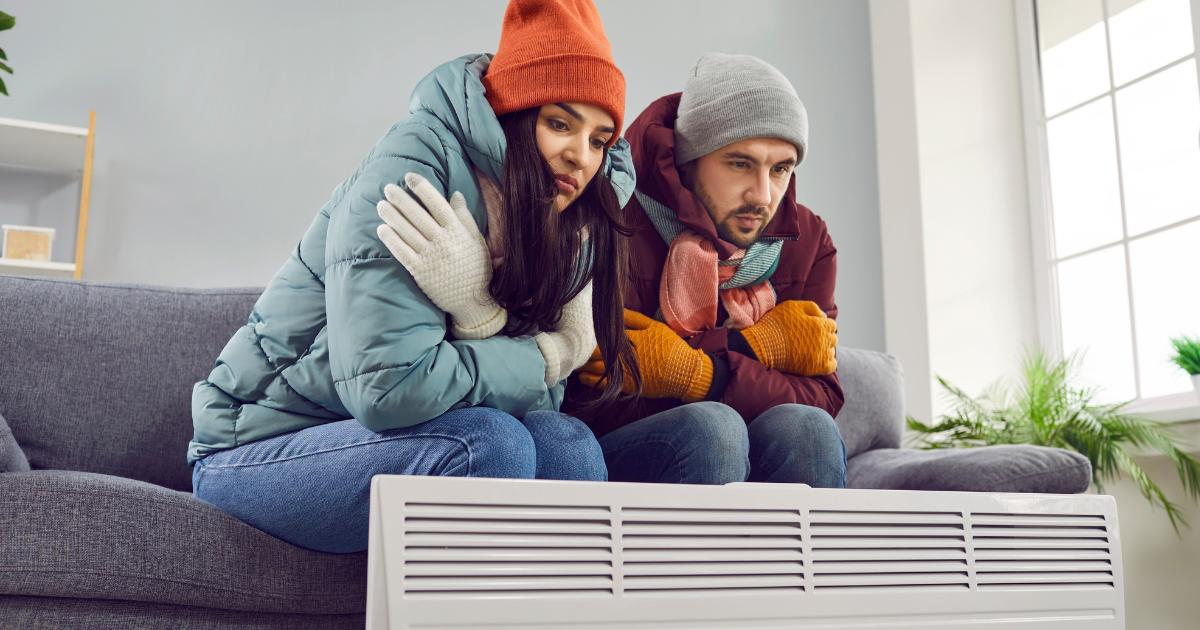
554 51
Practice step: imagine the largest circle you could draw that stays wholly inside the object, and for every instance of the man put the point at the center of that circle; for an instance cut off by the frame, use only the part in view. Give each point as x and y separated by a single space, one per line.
730 296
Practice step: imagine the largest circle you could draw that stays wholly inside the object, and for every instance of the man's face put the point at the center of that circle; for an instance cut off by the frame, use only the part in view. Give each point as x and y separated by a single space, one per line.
741 185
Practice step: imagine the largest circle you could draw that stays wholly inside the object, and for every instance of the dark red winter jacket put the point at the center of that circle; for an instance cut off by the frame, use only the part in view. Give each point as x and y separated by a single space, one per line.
807 271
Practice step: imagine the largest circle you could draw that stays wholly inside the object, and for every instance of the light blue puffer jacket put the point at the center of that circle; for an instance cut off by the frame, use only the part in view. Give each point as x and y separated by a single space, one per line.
343 331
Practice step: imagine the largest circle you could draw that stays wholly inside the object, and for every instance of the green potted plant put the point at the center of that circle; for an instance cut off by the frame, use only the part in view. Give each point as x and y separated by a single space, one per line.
6 22
1046 409
1187 357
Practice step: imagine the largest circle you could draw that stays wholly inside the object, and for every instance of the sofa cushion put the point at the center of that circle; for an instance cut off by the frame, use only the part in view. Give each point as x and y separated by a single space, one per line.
873 413
98 378
1007 468
85 535
12 458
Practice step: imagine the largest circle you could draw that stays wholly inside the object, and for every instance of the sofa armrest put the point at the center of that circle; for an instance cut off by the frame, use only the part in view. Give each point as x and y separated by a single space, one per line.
1005 468
12 458
873 414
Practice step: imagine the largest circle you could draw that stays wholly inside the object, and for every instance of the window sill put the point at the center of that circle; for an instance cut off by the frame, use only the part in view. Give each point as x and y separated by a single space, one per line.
1183 407
1180 411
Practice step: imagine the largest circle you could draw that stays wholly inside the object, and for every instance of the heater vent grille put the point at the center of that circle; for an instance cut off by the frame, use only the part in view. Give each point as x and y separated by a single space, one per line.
668 550
452 550
888 550
1023 550
479 549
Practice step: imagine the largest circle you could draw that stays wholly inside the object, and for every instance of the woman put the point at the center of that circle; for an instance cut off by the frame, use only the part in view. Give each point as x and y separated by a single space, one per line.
353 364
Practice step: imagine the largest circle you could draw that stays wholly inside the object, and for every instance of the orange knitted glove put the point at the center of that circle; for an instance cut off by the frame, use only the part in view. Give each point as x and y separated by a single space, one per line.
670 367
795 337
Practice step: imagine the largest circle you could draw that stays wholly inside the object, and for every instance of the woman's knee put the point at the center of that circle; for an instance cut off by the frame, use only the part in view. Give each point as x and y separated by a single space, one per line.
488 443
554 426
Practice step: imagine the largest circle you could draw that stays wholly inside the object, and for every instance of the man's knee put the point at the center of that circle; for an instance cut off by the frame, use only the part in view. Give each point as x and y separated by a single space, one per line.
798 444
798 424
718 443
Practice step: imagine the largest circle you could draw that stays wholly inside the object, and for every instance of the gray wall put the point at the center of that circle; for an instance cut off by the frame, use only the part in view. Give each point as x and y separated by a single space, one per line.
222 126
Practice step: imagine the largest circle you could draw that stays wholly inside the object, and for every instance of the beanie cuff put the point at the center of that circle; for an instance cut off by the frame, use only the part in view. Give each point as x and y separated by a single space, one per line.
564 78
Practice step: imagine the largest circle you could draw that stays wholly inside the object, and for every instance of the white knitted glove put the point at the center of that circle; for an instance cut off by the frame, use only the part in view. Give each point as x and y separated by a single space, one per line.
570 346
440 245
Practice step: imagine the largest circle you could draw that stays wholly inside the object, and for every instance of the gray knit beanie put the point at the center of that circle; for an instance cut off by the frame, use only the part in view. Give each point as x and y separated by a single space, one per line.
729 98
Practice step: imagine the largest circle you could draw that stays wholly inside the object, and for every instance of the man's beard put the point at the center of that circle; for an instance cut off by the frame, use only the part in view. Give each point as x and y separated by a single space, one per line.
729 230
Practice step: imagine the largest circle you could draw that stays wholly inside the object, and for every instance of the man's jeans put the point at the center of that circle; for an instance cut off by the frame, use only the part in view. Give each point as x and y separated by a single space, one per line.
312 487
708 442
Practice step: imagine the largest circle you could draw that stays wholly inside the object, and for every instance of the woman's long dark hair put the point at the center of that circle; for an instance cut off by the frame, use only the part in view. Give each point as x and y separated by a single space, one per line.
537 277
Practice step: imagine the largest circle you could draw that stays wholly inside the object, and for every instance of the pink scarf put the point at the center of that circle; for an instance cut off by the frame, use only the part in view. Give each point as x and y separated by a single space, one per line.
690 288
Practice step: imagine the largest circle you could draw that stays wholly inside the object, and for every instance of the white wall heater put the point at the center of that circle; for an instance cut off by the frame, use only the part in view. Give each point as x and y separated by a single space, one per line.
485 553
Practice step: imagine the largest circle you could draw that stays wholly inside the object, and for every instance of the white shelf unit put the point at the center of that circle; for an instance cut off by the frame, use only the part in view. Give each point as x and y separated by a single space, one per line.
46 148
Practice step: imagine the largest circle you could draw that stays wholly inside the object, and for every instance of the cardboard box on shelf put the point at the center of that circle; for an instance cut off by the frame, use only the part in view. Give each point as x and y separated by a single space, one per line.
26 242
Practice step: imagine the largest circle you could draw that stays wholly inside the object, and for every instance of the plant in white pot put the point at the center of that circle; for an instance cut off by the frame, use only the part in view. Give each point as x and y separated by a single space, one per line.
1187 357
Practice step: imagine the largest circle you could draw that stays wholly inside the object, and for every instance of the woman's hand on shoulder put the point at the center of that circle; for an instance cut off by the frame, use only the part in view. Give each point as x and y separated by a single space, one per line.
437 241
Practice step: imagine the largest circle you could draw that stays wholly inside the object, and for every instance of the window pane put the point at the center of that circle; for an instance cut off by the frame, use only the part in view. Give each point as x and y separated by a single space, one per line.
1094 307
1166 304
1073 52
1083 179
1147 35
1159 121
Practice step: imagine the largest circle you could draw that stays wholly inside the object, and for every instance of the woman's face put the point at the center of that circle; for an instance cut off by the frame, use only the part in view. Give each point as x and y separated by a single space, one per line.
571 138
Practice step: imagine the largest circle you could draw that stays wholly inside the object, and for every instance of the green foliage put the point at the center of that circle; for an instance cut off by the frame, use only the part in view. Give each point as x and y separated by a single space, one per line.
6 22
1187 354
1047 410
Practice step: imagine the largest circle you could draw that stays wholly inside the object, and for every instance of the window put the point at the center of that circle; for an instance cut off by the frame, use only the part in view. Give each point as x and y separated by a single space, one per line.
1117 121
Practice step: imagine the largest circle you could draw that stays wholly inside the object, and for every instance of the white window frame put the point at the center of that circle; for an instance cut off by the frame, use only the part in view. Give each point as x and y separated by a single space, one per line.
1172 408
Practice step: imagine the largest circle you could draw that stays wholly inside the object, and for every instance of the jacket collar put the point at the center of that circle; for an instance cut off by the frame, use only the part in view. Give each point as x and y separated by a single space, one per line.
453 93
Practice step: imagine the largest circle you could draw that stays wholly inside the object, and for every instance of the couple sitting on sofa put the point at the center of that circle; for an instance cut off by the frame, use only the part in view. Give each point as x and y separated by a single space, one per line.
430 320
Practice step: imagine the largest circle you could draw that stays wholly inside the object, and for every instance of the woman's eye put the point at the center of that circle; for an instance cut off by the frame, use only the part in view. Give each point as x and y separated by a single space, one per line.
738 165
557 124
598 143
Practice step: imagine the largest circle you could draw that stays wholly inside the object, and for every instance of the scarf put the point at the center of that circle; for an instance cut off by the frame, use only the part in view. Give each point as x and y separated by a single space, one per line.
694 280
493 203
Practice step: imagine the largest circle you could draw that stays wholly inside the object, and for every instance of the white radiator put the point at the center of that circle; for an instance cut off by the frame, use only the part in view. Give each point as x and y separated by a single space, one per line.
487 553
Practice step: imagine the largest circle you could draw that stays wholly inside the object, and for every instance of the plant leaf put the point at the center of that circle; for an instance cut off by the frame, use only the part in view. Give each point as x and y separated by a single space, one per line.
3 89
4 67
7 21
1159 436
1187 354
1150 490
3 57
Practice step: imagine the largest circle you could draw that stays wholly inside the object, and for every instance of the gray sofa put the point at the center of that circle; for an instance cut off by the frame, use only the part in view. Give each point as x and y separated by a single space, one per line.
98 528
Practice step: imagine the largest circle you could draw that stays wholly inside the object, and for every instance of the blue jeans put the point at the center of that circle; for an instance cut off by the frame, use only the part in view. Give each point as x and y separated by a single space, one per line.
312 487
710 443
